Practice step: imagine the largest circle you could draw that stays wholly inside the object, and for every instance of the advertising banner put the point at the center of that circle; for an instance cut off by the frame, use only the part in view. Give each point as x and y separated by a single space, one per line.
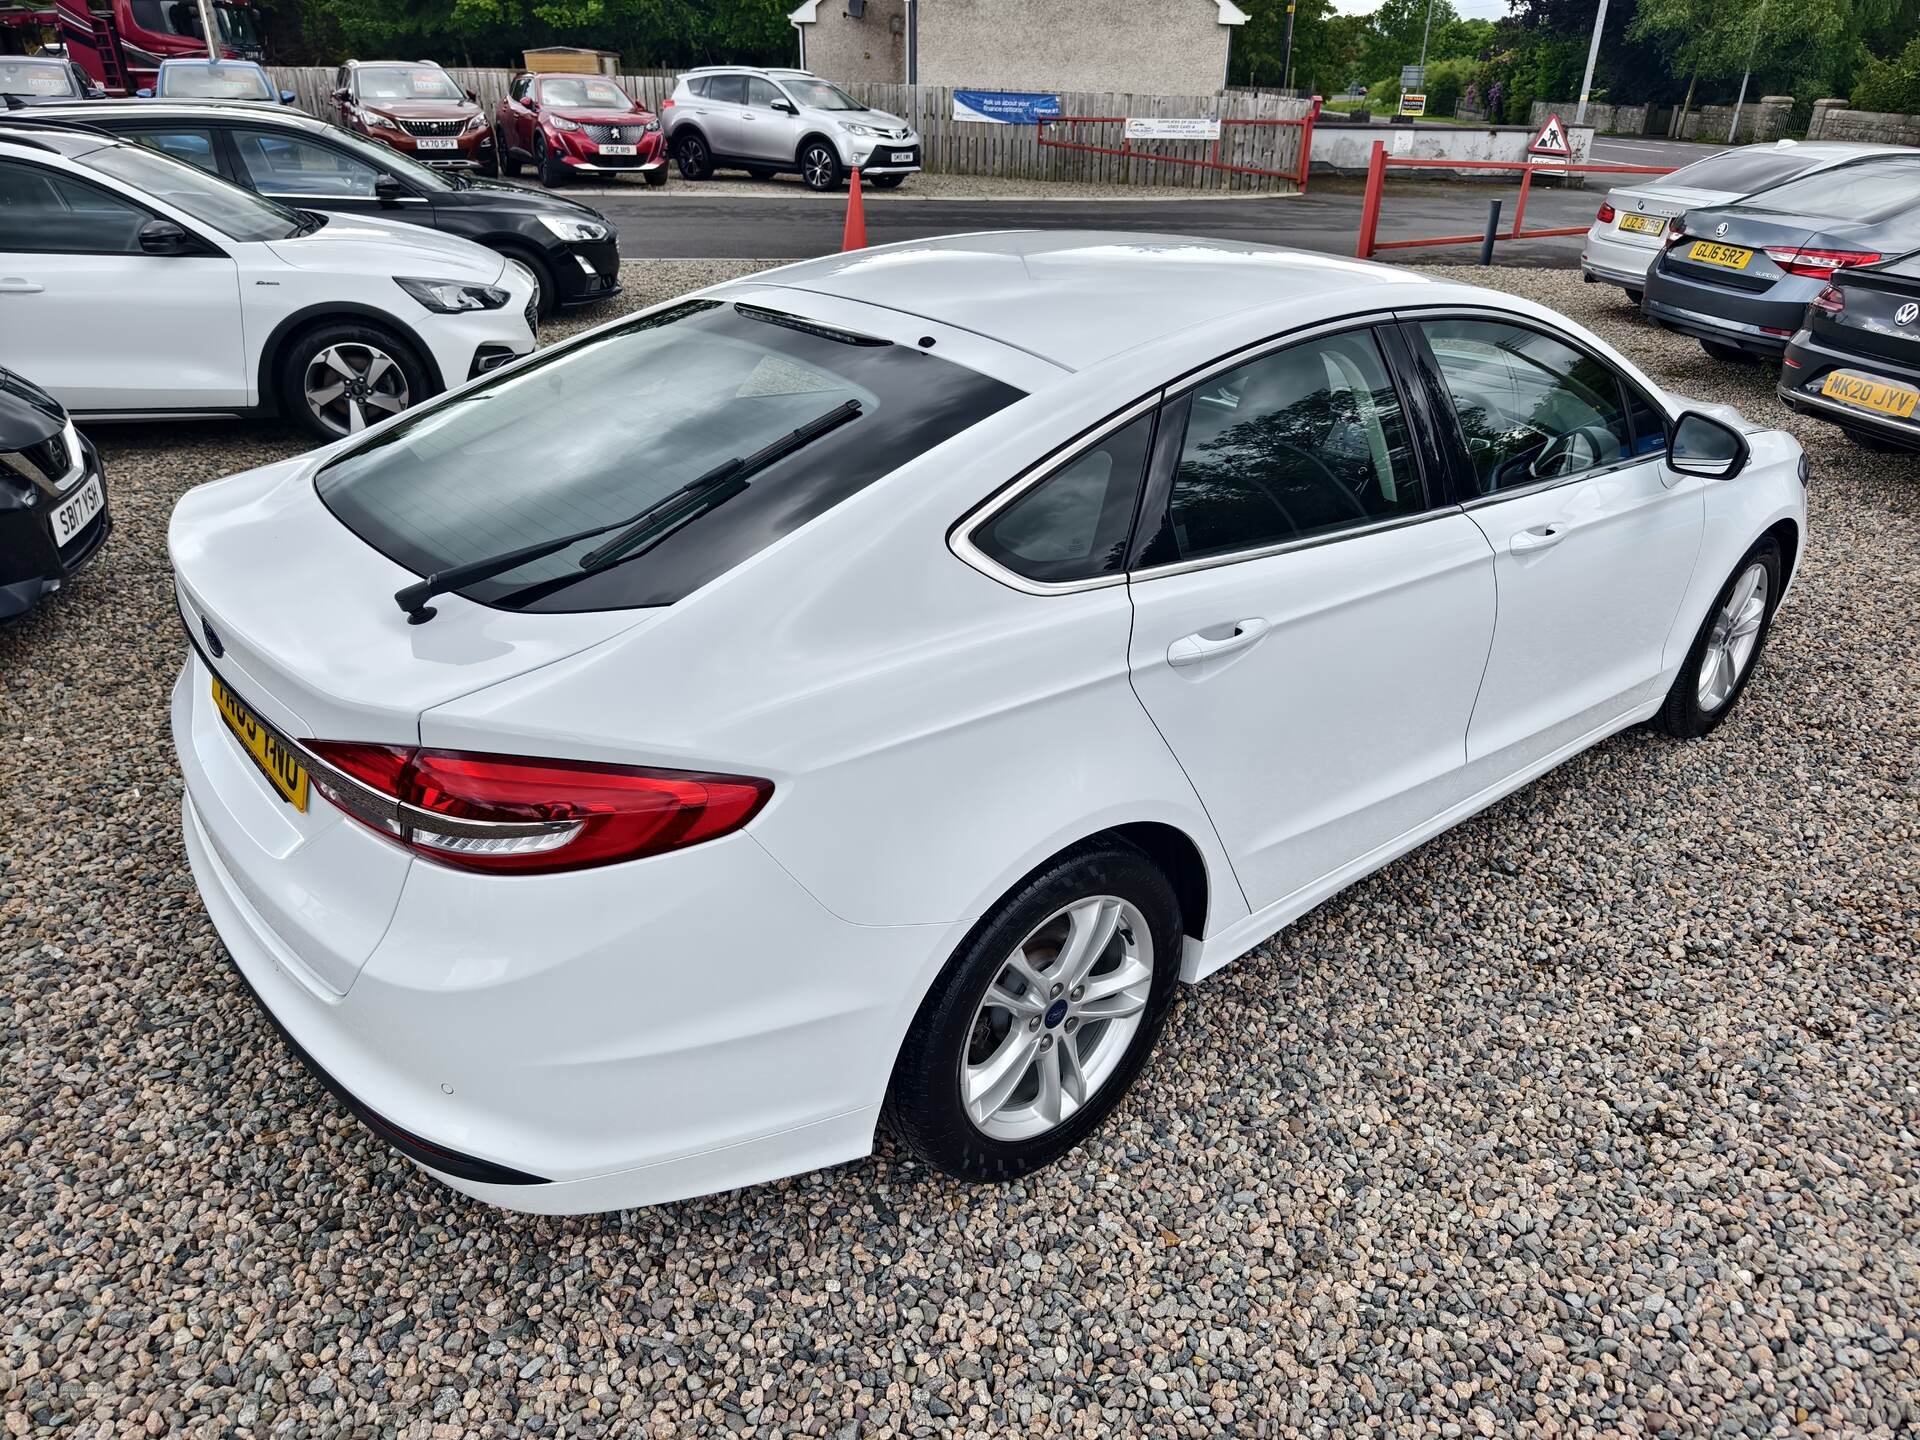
1004 107
1155 127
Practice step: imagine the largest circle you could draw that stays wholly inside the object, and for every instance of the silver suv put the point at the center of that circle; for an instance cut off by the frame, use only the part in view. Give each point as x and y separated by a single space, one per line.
768 121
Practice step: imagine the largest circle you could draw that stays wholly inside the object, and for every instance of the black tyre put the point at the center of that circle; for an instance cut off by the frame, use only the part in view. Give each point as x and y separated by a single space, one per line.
509 158
691 154
552 172
1042 1019
1727 650
885 182
820 165
490 161
546 292
1732 354
1633 296
340 377
656 178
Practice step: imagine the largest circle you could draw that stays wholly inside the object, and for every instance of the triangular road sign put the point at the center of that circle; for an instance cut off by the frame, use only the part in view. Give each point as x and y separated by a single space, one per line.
1552 140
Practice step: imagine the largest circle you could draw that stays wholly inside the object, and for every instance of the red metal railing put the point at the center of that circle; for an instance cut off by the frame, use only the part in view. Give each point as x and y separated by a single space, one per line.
1126 150
1377 181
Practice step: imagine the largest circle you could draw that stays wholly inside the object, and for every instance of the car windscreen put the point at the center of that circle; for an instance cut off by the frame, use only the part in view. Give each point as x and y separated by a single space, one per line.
819 95
1739 172
1865 191
214 82
238 214
36 77
592 433
571 91
391 82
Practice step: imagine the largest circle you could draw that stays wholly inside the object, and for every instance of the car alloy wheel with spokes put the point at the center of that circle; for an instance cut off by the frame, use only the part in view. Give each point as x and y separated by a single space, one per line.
820 167
1734 637
1042 1018
1055 1023
352 385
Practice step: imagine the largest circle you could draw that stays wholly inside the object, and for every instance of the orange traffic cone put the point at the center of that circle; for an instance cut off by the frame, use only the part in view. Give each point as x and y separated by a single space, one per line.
855 235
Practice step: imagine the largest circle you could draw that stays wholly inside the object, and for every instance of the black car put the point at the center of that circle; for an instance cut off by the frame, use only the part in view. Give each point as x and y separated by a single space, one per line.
53 496
1739 277
1856 363
43 80
572 250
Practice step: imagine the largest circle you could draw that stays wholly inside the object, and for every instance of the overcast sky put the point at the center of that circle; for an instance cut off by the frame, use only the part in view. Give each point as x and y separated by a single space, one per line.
1470 9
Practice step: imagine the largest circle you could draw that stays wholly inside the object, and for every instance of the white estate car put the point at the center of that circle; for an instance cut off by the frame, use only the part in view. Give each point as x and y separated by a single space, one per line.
132 283
1631 226
874 685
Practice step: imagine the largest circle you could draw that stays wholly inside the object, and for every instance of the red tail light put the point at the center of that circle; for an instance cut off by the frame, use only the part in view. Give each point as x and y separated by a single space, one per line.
1830 300
516 815
667 104
1818 264
1605 214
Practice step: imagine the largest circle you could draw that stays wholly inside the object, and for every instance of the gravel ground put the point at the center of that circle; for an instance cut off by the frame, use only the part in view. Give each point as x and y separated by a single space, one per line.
1596 1116
924 186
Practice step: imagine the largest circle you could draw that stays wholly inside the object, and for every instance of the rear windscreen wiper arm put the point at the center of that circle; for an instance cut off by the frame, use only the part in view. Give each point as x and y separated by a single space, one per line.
694 498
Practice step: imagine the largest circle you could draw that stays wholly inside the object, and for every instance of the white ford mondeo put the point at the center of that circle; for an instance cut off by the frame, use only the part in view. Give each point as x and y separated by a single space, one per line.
866 690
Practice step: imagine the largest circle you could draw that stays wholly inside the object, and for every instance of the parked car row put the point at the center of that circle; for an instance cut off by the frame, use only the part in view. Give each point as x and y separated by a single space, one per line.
1807 254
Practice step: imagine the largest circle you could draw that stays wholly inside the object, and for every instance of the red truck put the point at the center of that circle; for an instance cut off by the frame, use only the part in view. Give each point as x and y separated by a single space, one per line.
120 43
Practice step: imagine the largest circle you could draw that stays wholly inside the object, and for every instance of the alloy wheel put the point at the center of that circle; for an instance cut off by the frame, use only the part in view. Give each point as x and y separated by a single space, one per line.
1731 642
819 165
353 385
1058 1018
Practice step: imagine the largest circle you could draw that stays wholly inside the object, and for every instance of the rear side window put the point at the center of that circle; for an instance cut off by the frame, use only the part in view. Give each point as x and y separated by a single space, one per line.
191 143
1074 524
1302 442
593 433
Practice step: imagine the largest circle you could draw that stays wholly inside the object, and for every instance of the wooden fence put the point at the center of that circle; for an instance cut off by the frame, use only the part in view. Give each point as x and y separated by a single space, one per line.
970 147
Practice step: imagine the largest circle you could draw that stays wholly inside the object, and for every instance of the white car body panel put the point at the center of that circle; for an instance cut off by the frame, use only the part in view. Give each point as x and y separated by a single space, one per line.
730 1012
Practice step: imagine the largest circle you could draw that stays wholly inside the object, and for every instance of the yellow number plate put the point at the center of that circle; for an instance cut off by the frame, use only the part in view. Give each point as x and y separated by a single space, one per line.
276 761
1864 394
1731 256
1644 224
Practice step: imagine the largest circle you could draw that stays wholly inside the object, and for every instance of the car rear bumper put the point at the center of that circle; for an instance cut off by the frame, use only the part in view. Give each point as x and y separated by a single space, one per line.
31 565
630 1035
1756 321
1804 369
1747 337
1616 262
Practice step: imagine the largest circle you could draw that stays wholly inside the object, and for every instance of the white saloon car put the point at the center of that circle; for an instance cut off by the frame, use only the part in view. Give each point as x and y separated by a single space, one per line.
1631 226
869 688
132 284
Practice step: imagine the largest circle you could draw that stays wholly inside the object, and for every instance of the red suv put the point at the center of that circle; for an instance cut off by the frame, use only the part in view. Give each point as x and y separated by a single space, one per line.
567 124
416 108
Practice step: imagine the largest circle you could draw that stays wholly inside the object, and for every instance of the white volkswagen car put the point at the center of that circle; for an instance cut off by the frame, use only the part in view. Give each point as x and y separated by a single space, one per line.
134 284
869 688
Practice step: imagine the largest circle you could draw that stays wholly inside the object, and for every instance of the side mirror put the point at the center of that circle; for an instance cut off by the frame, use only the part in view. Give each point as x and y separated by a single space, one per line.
163 237
287 97
343 94
1712 449
473 97
95 92
784 108
145 92
533 104
387 190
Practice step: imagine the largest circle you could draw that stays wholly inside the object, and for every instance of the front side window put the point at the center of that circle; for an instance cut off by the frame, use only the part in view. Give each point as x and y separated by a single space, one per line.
191 143
1531 408
234 212
44 212
594 433
279 164
1074 524
761 94
1299 443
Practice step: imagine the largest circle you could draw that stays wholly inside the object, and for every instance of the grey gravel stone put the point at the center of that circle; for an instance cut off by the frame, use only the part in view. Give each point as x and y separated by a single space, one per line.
1596 1116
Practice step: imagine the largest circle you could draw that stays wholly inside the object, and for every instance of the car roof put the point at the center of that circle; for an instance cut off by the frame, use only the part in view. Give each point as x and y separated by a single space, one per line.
749 70
85 112
26 134
1076 298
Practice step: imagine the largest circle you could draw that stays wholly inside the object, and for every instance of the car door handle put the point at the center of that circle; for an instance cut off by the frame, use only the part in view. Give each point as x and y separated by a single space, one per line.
1541 537
1199 646
15 285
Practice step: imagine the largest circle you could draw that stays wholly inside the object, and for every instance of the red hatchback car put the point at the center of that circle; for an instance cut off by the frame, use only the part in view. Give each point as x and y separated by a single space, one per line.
577 124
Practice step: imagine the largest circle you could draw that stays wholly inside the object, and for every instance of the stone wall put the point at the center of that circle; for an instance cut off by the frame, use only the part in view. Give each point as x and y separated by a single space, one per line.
1605 119
1832 120
870 50
1764 119
1162 47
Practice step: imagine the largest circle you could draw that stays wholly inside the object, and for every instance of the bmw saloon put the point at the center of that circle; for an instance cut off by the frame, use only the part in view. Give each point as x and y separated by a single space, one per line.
864 692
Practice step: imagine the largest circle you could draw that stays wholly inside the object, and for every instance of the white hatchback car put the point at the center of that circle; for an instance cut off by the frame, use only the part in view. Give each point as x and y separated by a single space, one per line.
132 284
872 686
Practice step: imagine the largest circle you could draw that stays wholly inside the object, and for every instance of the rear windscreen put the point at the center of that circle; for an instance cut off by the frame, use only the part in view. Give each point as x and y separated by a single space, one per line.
591 433
1739 172
1867 190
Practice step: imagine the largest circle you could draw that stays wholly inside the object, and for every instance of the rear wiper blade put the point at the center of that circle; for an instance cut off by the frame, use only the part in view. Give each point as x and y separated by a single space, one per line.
652 524
654 527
